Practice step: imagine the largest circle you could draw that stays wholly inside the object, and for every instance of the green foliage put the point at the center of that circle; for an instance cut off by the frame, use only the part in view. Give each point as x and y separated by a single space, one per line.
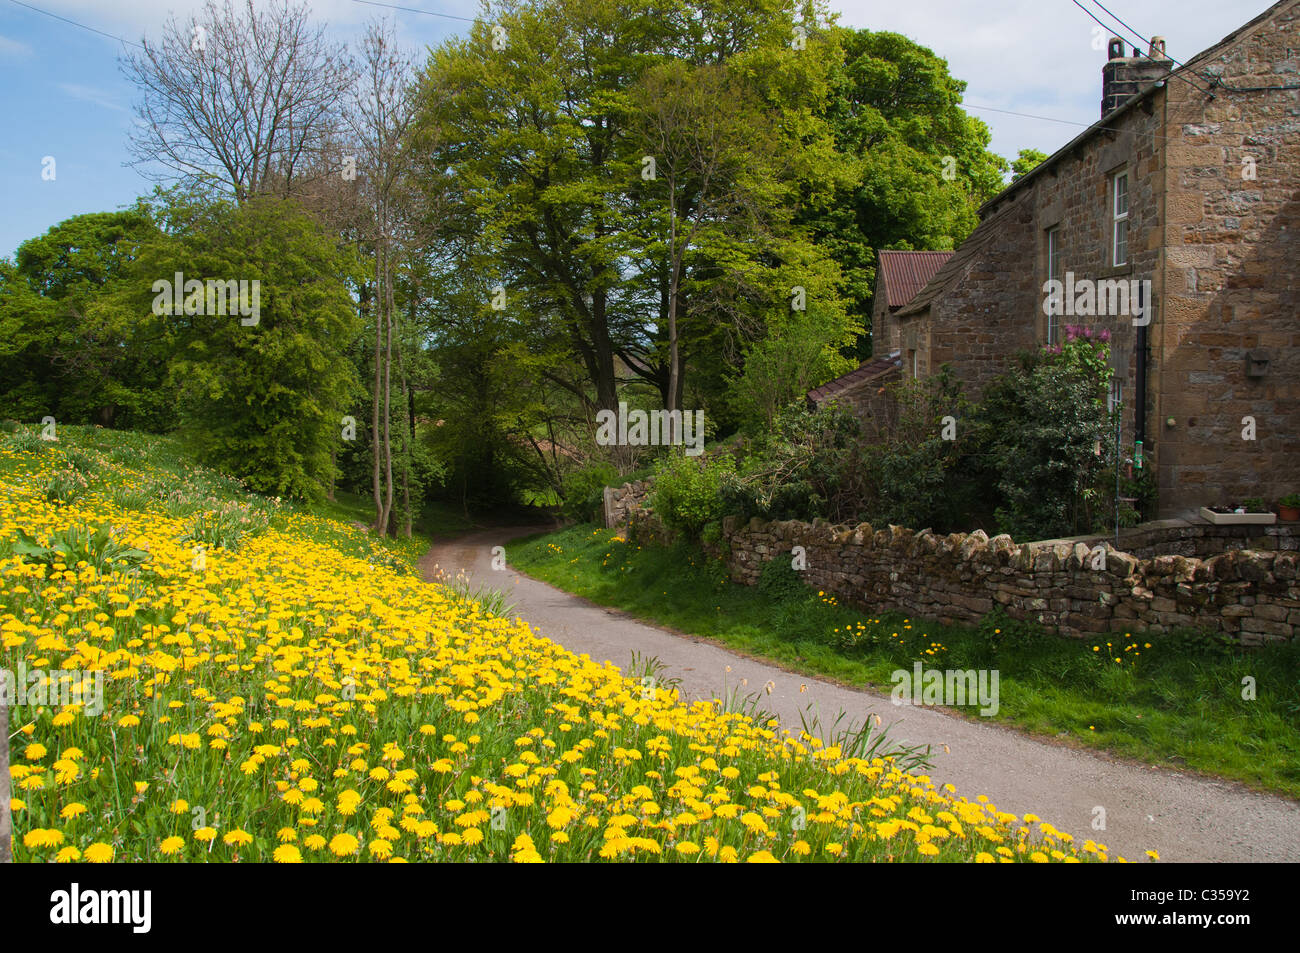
687 491
71 546
807 465
224 528
781 582
583 492
1044 422
263 401
1291 499
67 347
915 166
65 486
918 477
1026 162
9 426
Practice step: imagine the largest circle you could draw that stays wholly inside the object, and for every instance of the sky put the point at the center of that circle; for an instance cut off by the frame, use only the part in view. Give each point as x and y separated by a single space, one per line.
63 95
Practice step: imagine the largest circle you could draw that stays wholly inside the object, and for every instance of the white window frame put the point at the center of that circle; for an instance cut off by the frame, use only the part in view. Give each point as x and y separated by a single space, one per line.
1119 219
1054 271
1115 394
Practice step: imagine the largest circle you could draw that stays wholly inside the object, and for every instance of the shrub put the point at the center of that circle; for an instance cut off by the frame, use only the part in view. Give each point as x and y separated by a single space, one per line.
76 544
687 492
1045 420
583 491
781 582
65 486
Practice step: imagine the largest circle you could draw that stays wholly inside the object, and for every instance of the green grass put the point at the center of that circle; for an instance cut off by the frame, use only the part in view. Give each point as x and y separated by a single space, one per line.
165 474
1171 700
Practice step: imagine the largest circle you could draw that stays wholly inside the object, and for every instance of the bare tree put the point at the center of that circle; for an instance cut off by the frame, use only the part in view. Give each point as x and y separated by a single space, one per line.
381 117
238 98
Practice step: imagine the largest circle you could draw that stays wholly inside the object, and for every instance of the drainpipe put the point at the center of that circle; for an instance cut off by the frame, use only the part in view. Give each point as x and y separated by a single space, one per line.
1140 397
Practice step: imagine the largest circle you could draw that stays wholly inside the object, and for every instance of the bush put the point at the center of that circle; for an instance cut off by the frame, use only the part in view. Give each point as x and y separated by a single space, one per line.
808 465
1045 420
66 486
583 492
687 492
781 582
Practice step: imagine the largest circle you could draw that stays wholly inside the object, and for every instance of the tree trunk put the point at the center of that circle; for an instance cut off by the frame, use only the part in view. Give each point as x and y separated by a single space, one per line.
377 311
674 280
388 388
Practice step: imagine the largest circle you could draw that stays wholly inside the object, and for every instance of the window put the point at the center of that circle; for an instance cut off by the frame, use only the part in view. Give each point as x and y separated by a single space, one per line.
1119 244
1054 270
915 362
1116 395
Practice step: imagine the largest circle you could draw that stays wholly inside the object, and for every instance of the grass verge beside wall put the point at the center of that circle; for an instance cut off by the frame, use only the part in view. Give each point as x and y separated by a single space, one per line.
1172 700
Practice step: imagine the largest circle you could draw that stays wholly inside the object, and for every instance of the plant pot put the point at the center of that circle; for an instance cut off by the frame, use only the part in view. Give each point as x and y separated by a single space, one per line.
1237 519
1289 513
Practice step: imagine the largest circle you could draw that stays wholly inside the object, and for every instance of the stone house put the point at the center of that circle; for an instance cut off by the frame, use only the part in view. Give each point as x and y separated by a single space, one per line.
899 276
1172 223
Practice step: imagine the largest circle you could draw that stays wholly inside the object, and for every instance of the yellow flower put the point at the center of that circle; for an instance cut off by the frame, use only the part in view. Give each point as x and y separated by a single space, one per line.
171 845
68 855
343 844
99 853
238 838
205 834
287 854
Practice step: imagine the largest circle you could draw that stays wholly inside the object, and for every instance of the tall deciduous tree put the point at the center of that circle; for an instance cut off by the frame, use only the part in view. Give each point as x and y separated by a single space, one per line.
921 165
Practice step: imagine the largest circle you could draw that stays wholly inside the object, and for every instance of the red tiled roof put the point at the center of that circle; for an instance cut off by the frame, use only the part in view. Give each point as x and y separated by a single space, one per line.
873 368
907 272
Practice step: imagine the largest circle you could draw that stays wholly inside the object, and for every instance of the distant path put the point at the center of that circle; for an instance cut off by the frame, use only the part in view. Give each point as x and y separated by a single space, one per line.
1183 817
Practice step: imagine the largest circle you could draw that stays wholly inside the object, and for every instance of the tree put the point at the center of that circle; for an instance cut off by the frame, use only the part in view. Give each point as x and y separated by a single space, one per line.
237 99
547 134
381 118
62 352
1026 162
261 393
920 165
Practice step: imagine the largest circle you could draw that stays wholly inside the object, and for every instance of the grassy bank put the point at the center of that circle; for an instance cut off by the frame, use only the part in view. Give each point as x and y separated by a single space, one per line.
262 682
1167 700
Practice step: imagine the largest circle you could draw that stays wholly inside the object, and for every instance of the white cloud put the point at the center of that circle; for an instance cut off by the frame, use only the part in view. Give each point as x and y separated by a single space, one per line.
92 95
12 48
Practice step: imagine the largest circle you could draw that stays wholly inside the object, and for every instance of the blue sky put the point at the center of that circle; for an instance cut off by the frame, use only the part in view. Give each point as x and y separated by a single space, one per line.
64 95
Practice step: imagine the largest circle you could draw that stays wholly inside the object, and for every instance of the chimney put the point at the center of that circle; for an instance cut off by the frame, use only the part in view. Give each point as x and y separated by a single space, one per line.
1123 77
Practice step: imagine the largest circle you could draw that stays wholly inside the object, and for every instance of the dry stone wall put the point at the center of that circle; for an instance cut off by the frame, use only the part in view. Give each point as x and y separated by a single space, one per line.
1249 594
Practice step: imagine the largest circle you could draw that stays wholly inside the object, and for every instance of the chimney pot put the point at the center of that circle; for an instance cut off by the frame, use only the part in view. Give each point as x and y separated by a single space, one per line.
1115 50
1157 47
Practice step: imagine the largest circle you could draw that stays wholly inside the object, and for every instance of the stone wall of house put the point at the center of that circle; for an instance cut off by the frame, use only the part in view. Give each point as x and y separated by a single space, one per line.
1232 246
1251 595
869 401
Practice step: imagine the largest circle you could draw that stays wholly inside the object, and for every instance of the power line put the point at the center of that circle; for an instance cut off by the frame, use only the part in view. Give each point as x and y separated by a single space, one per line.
75 23
427 13
1112 30
1139 35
